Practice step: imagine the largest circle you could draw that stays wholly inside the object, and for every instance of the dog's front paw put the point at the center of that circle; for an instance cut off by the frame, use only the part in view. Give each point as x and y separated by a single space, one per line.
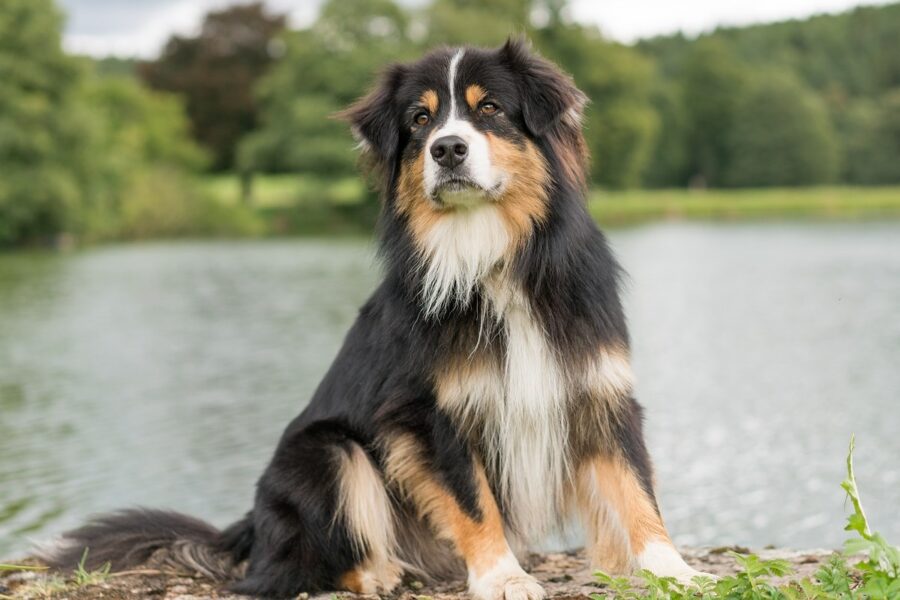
505 581
372 578
663 560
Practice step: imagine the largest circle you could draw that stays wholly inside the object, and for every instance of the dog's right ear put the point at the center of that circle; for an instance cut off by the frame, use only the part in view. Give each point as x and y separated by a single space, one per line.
373 118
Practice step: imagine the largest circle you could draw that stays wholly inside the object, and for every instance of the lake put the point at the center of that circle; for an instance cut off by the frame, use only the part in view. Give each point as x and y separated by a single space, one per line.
163 374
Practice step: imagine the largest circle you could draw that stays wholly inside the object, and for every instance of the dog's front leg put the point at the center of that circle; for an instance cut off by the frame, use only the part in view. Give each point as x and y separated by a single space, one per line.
453 495
615 492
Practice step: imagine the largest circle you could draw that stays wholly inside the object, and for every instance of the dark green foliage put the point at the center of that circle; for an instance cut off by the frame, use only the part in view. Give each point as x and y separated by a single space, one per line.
670 160
871 129
79 153
757 106
82 145
324 69
44 131
850 62
781 136
330 64
712 84
620 123
216 72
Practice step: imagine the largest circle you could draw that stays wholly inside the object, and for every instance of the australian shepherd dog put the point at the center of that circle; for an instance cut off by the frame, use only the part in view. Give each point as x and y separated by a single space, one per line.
482 398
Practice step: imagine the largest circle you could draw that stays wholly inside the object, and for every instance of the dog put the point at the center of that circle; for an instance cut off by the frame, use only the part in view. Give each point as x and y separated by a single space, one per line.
484 395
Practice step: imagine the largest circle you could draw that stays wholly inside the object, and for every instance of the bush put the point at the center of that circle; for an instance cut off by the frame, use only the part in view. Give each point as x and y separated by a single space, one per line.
166 203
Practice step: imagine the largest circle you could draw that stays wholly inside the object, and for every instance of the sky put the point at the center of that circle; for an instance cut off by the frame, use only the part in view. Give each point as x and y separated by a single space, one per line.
140 27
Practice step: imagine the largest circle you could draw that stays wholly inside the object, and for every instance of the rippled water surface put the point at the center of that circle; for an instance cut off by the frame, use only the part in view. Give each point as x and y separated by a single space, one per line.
163 374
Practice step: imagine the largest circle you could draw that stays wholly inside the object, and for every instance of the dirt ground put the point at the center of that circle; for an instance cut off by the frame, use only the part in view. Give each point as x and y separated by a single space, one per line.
564 576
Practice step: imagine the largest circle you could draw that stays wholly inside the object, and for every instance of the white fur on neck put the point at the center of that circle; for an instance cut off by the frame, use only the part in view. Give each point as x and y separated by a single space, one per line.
460 251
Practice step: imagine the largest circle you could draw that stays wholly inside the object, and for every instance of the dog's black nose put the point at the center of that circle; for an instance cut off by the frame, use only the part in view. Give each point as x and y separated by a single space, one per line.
449 151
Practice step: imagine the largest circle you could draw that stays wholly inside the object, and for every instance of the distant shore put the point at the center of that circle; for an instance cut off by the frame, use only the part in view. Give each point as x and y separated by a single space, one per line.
297 203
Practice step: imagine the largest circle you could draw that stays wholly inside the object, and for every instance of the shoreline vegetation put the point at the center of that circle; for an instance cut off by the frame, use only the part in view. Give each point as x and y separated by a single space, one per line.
564 575
298 205
215 206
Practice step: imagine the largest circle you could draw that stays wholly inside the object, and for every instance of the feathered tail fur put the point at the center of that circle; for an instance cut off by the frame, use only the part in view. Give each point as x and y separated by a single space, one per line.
129 538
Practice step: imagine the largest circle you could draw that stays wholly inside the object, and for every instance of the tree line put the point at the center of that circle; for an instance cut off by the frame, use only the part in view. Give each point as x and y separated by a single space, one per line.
795 103
110 148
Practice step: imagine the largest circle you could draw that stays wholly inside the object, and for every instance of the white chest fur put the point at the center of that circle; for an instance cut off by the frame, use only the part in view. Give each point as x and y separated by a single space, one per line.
518 408
530 423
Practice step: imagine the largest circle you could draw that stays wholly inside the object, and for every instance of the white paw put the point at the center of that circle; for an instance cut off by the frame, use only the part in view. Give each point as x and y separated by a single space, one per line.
663 560
505 581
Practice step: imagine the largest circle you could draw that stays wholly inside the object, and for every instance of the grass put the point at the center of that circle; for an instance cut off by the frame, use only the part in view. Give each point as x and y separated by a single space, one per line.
282 191
302 194
875 577
83 577
56 583
833 202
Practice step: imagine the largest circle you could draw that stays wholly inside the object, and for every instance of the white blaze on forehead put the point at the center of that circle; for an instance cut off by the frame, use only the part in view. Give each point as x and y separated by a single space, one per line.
451 80
478 165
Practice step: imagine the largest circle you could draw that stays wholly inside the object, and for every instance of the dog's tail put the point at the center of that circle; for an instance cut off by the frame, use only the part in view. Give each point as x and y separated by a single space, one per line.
130 538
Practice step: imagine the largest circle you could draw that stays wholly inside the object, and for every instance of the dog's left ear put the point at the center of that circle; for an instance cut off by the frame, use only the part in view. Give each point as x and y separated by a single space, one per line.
373 118
548 95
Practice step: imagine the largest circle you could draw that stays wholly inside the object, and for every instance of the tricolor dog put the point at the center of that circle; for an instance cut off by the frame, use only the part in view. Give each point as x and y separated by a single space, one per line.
482 398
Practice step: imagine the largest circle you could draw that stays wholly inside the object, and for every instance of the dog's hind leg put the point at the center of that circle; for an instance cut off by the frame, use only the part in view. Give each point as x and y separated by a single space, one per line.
448 488
322 519
365 508
615 492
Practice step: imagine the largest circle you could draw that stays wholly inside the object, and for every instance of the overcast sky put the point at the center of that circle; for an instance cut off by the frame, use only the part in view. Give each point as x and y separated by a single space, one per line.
140 27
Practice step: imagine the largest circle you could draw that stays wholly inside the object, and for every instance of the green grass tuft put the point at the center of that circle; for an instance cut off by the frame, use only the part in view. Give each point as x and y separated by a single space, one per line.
83 577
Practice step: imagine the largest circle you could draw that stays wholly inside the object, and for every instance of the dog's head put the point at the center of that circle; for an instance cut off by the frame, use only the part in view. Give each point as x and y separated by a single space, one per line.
462 122
471 142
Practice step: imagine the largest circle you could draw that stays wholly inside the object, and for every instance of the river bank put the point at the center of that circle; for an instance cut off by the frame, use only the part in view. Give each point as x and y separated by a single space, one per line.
565 576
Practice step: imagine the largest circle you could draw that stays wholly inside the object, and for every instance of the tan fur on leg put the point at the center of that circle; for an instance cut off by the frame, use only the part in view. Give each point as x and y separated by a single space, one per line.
625 528
494 572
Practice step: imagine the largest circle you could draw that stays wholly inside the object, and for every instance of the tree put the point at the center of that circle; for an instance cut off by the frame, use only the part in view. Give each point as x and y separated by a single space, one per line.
43 130
216 72
620 124
324 69
712 85
668 165
781 136
872 148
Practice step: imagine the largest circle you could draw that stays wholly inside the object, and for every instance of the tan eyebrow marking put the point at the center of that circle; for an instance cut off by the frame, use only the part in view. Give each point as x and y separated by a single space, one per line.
474 94
430 101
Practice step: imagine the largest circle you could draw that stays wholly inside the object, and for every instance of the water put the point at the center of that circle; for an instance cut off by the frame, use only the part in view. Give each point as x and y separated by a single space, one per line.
163 374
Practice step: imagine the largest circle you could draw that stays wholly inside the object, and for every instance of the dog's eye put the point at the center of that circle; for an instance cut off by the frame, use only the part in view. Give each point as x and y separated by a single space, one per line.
488 109
422 118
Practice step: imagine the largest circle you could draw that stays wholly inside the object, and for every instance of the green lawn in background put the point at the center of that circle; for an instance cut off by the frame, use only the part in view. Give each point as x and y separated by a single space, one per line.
289 190
737 204
292 192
